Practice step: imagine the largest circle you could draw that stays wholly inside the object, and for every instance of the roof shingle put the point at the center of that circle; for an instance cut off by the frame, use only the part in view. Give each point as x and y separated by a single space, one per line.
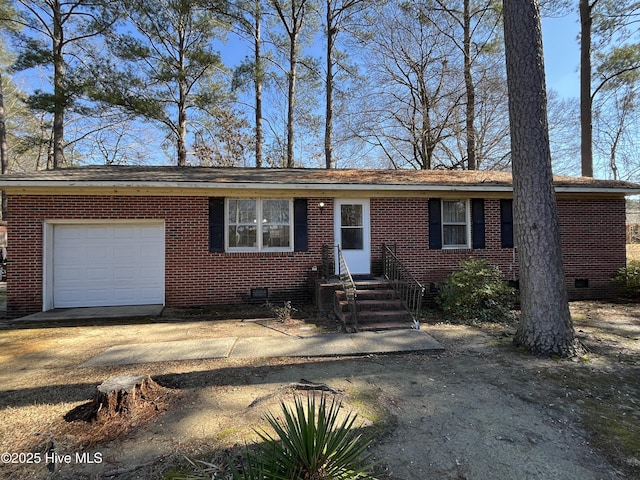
147 176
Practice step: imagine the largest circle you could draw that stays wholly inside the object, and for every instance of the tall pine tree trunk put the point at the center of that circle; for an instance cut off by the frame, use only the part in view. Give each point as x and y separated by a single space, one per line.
4 155
586 103
328 129
181 137
259 78
470 89
59 90
545 324
291 99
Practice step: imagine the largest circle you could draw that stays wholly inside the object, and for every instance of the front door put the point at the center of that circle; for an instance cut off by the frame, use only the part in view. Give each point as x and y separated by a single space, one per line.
352 233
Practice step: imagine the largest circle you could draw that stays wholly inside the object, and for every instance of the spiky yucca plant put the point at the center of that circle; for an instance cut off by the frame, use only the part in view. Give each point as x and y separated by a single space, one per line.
311 443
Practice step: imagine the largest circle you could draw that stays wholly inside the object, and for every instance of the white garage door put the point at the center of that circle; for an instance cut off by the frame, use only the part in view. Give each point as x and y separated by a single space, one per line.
108 265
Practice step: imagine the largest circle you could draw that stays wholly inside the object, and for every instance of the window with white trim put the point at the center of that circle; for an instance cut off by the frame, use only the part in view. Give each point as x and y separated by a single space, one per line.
455 224
259 224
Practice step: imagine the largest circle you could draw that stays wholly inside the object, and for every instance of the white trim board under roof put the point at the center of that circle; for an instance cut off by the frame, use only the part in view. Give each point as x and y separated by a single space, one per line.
131 178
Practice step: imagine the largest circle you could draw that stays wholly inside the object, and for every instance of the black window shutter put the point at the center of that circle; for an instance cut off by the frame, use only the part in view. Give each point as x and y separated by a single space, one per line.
435 224
216 224
300 227
506 223
477 225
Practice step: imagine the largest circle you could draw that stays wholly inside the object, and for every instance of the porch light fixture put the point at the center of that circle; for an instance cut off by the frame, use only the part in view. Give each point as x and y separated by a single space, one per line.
321 205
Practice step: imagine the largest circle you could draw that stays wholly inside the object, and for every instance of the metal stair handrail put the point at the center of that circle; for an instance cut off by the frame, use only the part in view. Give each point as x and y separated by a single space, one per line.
410 291
349 286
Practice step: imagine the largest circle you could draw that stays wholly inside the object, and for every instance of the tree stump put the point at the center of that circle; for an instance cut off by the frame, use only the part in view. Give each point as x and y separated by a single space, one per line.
119 396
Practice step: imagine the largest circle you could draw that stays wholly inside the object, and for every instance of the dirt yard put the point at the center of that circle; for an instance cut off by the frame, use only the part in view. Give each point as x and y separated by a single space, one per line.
479 410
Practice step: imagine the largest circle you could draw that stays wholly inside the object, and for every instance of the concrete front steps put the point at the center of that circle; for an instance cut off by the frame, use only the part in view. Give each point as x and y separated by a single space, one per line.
378 308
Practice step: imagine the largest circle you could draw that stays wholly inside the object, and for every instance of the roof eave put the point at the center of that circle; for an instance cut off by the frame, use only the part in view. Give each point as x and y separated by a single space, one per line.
247 186
597 190
26 185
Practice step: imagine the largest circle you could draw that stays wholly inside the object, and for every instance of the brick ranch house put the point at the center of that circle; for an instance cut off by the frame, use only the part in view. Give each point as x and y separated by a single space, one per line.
107 235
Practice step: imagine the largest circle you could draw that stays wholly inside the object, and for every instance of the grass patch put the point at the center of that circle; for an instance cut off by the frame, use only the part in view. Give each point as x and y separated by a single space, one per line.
609 411
369 407
616 432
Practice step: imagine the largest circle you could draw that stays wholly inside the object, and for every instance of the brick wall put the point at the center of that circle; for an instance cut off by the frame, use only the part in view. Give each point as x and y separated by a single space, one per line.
592 234
592 231
194 276
594 244
432 266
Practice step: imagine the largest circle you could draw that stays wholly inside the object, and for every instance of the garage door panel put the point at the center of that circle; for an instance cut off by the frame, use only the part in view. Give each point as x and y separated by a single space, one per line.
151 272
71 232
125 296
127 233
98 250
126 255
102 265
69 273
66 296
105 233
66 257
97 295
126 274
151 250
147 292
97 274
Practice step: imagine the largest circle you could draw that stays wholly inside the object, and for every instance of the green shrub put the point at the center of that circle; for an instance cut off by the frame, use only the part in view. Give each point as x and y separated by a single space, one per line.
628 278
475 293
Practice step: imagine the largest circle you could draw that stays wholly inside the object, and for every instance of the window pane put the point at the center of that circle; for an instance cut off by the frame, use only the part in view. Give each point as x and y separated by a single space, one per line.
242 212
242 229
454 211
242 236
352 238
454 235
233 208
275 236
255 224
351 215
275 212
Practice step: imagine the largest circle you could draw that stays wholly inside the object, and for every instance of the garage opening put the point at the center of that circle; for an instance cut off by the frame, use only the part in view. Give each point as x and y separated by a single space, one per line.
104 264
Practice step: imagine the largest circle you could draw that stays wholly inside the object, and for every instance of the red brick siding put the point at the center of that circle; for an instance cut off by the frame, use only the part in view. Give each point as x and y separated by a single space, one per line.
194 276
24 259
593 235
593 243
432 266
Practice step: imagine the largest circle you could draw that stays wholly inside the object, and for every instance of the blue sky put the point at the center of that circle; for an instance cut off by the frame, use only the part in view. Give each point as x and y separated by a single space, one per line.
562 54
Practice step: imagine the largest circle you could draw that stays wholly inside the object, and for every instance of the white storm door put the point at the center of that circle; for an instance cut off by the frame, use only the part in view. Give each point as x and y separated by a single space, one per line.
108 265
353 234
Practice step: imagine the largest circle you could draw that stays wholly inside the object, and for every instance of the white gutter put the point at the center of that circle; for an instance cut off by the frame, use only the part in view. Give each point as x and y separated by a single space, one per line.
57 184
583 189
245 185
